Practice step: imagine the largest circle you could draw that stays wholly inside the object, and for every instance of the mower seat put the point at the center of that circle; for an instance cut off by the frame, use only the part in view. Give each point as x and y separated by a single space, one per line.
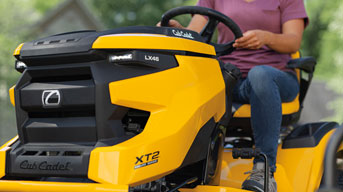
304 67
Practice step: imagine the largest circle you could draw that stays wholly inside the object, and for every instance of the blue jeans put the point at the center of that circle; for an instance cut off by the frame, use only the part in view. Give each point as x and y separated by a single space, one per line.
265 88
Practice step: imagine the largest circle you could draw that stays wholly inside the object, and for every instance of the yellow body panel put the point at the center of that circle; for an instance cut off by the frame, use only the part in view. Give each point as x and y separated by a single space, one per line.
11 93
17 50
298 169
295 55
181 100
132 41
340 148
39 186
3 150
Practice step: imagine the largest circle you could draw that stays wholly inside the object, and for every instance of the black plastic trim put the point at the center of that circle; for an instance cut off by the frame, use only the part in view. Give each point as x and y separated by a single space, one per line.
305 63
241 127
198 148
48 160
194 163
61 130
308 135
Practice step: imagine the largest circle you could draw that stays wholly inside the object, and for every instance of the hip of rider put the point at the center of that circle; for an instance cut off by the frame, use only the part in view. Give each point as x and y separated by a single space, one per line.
272 30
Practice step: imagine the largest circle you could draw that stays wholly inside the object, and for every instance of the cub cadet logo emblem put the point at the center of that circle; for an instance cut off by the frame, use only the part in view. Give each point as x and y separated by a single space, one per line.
147 159
45 166
151 58
182 34
51 98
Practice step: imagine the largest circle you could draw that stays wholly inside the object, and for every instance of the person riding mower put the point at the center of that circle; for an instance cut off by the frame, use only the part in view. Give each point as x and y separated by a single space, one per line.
145 109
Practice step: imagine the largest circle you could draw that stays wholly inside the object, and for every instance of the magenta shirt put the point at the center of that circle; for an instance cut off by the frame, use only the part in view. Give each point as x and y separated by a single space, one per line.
266 15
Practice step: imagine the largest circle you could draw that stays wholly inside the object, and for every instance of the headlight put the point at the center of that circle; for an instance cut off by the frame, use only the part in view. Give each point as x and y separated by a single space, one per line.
20 66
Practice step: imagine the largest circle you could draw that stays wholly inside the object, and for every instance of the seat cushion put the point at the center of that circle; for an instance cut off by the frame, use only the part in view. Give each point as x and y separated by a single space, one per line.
244 111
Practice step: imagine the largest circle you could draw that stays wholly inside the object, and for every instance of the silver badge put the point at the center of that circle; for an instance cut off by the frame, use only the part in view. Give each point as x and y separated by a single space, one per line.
51 98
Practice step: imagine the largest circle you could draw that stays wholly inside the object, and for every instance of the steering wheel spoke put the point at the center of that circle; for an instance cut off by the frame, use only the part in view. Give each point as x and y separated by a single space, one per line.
208 31
223 49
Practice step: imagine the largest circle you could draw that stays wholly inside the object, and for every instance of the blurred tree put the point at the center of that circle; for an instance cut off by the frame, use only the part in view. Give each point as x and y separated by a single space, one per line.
332 58
42 6
13 25
323 39
117 13
320 13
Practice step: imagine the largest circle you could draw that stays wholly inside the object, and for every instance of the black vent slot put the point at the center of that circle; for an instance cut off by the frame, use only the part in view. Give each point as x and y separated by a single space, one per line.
62 114
30 153
60 75
61 78
72 153
55 41
70 40
49 153
134 121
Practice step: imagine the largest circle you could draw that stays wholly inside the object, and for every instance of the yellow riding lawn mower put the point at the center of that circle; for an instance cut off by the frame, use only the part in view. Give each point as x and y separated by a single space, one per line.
150 109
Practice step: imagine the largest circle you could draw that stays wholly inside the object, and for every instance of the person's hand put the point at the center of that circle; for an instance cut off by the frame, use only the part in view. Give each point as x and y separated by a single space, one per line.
253 39
172 23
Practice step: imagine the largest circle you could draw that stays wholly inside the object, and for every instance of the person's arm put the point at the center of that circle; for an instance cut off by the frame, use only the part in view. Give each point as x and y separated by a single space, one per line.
197 23
287 42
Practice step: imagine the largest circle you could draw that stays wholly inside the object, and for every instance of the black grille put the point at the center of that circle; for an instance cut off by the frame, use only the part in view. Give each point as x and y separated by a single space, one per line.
73 120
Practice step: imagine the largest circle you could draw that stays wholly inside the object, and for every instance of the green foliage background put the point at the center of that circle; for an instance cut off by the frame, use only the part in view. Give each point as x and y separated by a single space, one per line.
13 22
323 38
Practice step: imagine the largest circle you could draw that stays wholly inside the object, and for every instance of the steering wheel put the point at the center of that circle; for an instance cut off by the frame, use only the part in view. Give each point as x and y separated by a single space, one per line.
214 17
